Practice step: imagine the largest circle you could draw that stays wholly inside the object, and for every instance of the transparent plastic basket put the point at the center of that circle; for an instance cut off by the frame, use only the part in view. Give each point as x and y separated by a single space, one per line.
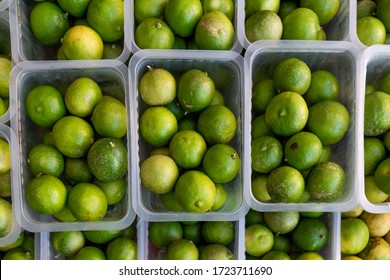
5 49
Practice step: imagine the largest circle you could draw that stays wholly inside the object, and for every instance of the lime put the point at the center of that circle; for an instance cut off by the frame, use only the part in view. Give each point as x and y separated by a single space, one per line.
383 13
5 156
5 71
221 162
87 202
267 154
220 196
301 24
122 248
218 232
365 8
281 222
264 25
303 150
259 240
182 249
101 236
149 8
81 96
154 33
378 223
310 256
224 6
5 184
260 127
217 124
77 171
82 42
65 215
254 217
193 232
282 243
287 113
253 6
292 74
114 190
46 194
195 90
374 153
73 136
285 184
215 252
45 159
373 193
90 253
106 17
323 86
370 31
195 191
48 23
157 87
109 118
168 200
45 105
325 10
6 221
262 93
162 234
286 6
157 125
326 181
377 249
384 83
76 8
382 175
329 120
159 173
354 236
376 113
259 188
112 50
108 159
387 140
183 16
18 254
67 243
311 234
276 255
214 31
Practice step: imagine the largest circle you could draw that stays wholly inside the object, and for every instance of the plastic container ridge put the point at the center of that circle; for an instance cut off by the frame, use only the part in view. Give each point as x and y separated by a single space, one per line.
112 78
4 4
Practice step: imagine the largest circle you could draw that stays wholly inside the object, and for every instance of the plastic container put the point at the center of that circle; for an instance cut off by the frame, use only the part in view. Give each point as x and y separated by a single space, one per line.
130 23
376 64
5 48
226 68
25 46
112 78
147 251
9 136
338 29
4 4
343 59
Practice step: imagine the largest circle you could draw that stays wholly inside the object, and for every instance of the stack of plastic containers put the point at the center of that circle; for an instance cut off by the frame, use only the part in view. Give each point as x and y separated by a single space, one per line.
342 53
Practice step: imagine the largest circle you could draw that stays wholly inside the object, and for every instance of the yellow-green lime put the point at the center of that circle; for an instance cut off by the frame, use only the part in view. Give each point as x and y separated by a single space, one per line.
287 113
87 202
157 125
5 156
77 171
18 254
108 159
182 249
114 190
76 8
262 93
218 232
259 240
168 200
259 188
81 96
109 118
365 8
373 193
159 173
215 252
325 10
5 71
281 222
162 234
195 191
310 256
46 194
5 184
154 33
354 236
6 221
329 120
323 86
221 162
122 248
67 243
157 87
73 136
285 184
376 113
253 6
149 8
264 25
214 31
370 30
183 16
48 23
374 153
267 153
382 175
220 196
276 255
224 6
106 17
90 253
45 105
101 236
65 215
260 127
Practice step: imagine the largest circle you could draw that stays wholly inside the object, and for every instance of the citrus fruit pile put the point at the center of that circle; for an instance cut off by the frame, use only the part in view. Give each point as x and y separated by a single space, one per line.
377 140
294 20
184 24
364 235
78 168
23 248
373 21
286 235
297 119
95 245
189 130
5 70
86 29
185 240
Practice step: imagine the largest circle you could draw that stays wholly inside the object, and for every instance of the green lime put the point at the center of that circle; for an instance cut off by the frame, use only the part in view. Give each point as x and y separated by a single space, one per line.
182 249
260 127
259 188
267 154
311 234
90 253
370 30
323 86
301 24
77 171
383 13
6 221
262 93
76 8
325 10
68 243
5 71
122 248
365 8
382 175
220 196
215 252
162 234
149 8
281 222
5 184
264 25
276 255
45 159
354 236
114 190
376 113
101 236
108 159
5 156
373 193
253 6
154 33
224 6
374 153
218 232
259 240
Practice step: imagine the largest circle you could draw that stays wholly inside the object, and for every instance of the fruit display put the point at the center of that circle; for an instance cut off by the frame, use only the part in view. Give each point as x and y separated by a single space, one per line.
194 130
